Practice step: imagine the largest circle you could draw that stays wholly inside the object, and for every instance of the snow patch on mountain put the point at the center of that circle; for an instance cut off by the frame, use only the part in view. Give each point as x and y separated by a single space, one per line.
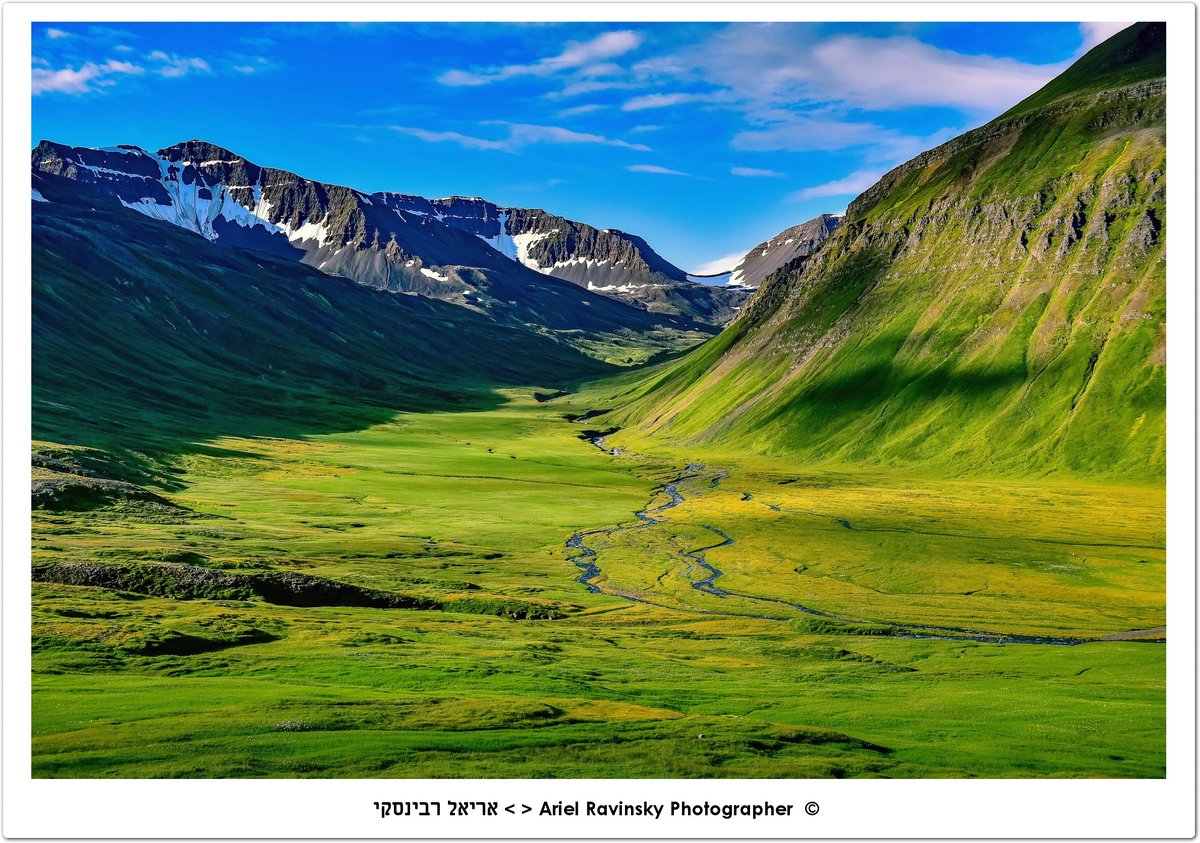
522 242
503 242
796 242
307 230
426 271
621 288
590 263
196 206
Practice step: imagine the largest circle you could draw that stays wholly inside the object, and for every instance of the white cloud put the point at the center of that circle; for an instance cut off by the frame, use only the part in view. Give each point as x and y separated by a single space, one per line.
461 78
68 80
901 71
810 134
115 66
249 65
591 86
601 69
753 172
720 265
451 137
1096 32
807 134
523 134
666 100
65 80
654 168
519 135
55 34
850 185
108 34
580 109
589 55
758 66
172 66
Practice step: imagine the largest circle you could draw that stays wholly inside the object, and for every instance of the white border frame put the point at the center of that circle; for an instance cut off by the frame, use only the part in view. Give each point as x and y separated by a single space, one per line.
343 808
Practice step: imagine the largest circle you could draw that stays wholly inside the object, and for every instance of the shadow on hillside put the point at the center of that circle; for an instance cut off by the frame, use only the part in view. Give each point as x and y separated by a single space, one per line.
869 386
148 341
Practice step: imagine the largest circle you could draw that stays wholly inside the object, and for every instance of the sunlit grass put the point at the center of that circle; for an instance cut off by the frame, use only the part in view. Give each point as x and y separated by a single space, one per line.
481 504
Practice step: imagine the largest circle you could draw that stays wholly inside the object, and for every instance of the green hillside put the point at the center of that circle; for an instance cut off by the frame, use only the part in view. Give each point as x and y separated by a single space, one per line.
147 338
994 305
905 517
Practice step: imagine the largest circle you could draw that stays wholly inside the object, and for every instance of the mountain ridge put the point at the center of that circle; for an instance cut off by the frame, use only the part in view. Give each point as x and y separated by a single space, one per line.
146 337
394 241
996 304
789 245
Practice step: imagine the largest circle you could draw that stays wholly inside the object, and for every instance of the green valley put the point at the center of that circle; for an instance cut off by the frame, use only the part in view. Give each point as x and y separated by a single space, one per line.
905 516
478 507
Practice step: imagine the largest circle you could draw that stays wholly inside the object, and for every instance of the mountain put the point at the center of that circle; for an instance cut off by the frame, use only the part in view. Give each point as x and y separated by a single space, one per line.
995 305
789 245
146 336
506 262
606 261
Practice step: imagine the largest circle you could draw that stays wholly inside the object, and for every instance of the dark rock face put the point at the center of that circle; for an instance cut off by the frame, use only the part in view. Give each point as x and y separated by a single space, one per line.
389 241
785 247
128 173
613 263
385 241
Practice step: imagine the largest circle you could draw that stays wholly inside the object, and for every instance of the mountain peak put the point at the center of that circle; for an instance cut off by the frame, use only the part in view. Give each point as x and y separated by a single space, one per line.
1129 66
198 150
1135 54
997 303
799 241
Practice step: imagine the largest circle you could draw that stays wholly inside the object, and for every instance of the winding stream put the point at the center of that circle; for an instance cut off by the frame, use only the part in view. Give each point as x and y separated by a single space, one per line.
586 561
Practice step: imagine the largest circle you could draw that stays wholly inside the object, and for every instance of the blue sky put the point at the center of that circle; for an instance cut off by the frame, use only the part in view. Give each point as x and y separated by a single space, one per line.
705 139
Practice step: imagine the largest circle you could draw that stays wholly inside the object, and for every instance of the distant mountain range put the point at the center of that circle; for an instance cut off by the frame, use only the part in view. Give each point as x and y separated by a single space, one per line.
606 261
145 336
996 304
785 248
193 279
465 250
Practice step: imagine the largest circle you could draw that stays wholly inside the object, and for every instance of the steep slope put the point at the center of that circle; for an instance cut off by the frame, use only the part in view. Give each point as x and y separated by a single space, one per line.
368 238
605 261
146 337
996 304
789 245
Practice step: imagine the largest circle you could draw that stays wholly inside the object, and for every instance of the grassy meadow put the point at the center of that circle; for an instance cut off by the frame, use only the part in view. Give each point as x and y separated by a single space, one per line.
810 654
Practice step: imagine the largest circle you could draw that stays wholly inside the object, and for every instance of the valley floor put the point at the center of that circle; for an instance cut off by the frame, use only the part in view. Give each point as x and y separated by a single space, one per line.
686 615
